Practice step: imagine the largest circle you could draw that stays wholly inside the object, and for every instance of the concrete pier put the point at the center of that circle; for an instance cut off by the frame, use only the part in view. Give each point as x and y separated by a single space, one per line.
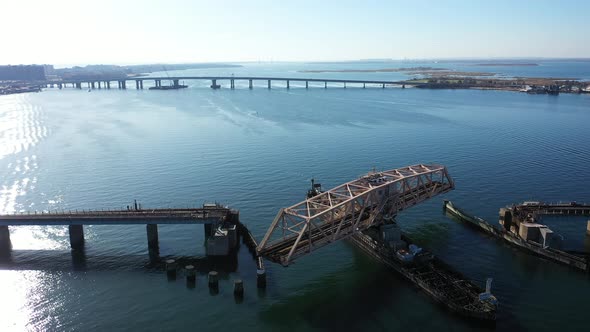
269 84
345 85
238 288
250 84
364 85
76 236
175 82
287 84
232 84
171 268
213 280
325 85
99 86
261 278
191 276
92 84
307 84
5 243
152 237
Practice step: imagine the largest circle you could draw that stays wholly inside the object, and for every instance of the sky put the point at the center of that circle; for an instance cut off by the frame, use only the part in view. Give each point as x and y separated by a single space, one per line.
64 32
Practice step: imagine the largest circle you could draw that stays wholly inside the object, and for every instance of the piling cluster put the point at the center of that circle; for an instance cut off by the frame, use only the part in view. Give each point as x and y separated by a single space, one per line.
171 268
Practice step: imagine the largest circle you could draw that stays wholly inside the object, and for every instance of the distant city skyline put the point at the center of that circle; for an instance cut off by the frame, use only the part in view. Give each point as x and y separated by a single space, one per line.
63 32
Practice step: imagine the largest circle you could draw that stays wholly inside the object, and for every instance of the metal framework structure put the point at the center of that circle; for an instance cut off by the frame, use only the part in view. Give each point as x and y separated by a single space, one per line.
350 208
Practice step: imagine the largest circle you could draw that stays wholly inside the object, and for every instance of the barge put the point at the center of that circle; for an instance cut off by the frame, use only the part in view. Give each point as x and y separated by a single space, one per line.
435 278
520 235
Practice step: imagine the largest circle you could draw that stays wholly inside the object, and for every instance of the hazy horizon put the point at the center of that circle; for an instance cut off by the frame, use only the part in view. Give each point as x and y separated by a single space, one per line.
64 32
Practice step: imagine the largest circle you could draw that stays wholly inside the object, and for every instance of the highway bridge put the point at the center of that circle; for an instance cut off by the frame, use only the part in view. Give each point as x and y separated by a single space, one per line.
175 81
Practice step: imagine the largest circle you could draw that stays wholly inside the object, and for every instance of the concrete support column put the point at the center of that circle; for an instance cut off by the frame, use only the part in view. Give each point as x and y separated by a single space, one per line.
136 84
108 84
306 84
152 237
79 85
175 82
232 84
325 85
287 84
141 84
119 84
364 85
99 86
250 84
383 86
93 86
124 84
345 85
60 86
76 236
269 84
208 230
5 243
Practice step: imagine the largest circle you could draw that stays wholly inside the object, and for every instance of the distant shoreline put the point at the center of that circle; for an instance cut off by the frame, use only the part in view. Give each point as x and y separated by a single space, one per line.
507 64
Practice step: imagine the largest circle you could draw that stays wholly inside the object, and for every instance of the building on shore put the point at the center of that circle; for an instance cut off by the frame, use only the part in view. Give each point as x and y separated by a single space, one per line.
22 73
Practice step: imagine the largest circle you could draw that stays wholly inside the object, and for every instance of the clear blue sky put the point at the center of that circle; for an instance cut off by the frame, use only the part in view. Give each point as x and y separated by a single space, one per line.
130 31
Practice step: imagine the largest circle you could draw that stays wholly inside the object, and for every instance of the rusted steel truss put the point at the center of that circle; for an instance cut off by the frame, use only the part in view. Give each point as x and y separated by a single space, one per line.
349 208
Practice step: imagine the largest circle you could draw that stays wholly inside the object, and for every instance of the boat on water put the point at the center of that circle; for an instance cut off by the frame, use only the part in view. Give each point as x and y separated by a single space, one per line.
419 266
169 87
512 235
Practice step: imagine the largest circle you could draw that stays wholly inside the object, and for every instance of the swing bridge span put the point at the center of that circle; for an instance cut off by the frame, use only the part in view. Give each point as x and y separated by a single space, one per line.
350 208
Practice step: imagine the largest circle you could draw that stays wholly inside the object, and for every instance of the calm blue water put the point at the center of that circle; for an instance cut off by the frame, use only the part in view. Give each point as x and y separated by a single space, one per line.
256 151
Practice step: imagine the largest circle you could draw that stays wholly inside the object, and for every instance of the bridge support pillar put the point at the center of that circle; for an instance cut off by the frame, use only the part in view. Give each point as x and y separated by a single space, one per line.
175 82
269 84
5 244
287 84
107 84
364 85
124 84
76 236
60 86
307 84
99 85
136 84
79 85
250 85
93 86
345 85
232 84
325 85
141 84
383 86
152 237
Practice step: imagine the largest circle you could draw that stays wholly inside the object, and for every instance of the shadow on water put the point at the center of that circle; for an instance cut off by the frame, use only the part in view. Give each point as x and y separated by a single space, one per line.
338 302
81 260
369 297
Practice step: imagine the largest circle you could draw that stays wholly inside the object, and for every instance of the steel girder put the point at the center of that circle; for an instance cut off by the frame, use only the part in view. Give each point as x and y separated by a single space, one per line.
349 208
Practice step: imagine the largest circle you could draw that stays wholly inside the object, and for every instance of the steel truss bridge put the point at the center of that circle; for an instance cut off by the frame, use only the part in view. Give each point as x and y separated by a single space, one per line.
350 208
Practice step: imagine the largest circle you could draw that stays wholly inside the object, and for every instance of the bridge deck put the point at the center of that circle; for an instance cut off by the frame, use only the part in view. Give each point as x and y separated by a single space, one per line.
117 217
554 209
235 78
